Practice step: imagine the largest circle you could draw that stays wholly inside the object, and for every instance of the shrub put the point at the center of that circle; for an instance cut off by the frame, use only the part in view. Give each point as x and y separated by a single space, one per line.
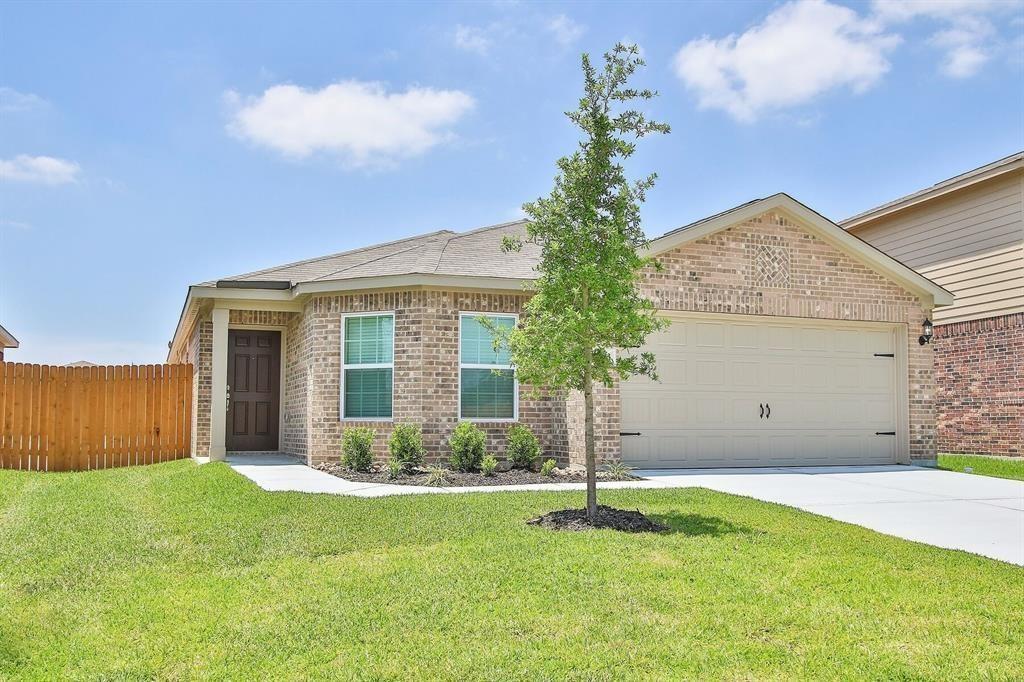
488 465
437 475
467 443
523 448
406 445
548 467
395 468
357 448
618 470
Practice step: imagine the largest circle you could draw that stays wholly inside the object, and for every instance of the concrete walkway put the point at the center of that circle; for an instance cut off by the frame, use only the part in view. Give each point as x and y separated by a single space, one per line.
976 514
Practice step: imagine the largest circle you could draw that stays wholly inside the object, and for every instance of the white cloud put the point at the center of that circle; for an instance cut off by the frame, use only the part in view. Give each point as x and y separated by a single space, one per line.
12 101
968 39
360 122
565 30
42 169
472 39
801 50
15 224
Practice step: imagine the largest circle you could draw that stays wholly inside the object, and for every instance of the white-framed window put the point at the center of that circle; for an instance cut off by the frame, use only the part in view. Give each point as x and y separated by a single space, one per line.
367 365
488 387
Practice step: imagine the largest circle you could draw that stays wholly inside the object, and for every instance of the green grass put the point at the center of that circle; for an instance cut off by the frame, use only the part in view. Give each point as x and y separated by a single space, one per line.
984 466
178 571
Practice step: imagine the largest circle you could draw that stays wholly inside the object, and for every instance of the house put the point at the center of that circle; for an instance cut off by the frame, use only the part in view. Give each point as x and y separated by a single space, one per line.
967 234
7 340
793 342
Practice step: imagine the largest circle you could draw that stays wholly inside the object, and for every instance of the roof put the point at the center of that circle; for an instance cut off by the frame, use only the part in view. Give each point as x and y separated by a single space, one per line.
7 339
980 174
476 253
475 260
820 226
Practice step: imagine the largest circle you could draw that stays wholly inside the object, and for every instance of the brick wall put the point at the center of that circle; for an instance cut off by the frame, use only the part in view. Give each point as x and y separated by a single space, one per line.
979 371
200 354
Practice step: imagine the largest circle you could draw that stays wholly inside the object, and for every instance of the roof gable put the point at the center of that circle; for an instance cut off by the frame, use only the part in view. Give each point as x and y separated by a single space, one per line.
816 224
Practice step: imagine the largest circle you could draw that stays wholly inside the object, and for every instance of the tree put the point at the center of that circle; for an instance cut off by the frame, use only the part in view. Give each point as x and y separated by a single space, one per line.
586 303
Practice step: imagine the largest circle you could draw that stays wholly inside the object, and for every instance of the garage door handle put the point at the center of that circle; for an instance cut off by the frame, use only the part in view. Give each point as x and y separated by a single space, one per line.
629 433
762 410
769 408
885 433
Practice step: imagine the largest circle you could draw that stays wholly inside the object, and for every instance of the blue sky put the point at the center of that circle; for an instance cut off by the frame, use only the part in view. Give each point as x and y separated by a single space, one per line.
146 147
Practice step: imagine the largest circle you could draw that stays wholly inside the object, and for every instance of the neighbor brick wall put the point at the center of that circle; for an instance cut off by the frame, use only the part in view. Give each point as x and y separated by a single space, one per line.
979 371
807 277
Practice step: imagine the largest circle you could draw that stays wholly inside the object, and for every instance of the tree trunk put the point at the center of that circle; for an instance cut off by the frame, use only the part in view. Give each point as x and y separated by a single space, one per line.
588 421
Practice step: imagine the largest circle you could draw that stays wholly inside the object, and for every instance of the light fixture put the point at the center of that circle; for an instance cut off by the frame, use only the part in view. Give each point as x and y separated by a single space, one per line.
929 331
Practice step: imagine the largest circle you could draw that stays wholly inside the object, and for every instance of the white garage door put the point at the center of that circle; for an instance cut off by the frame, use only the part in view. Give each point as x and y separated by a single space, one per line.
758 391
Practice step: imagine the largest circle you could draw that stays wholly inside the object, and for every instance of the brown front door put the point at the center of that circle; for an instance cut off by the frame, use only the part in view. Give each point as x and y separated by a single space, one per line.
254 372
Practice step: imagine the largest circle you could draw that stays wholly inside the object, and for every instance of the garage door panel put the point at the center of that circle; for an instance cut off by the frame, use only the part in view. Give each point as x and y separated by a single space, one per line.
710 334
828 394
710 372
814 340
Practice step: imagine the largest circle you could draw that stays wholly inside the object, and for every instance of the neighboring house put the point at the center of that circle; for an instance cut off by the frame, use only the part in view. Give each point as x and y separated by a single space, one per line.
967 234
81 363
792 343
7 340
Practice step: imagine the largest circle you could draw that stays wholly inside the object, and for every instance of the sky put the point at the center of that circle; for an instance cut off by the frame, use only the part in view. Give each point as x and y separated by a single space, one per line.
145 147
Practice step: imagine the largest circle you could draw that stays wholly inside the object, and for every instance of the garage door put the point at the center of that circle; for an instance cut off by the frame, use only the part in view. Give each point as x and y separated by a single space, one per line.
764 392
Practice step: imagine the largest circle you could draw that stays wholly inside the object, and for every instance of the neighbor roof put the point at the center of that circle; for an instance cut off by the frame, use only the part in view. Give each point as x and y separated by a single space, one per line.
986 172
470 254
7 339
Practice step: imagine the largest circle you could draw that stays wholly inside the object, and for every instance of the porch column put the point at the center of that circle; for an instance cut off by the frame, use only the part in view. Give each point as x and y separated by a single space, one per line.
219 385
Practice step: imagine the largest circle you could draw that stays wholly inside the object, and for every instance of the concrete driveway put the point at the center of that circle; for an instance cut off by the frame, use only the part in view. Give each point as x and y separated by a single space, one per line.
976 514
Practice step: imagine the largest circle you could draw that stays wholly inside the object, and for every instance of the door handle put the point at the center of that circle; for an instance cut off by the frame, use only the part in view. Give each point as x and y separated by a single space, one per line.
227 400
769 415
762 410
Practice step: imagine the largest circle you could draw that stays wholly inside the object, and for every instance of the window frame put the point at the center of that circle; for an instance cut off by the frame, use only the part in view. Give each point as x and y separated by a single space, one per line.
375 365
515 374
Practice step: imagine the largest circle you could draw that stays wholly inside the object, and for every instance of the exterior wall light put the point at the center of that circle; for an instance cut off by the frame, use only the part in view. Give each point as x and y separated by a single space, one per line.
929 331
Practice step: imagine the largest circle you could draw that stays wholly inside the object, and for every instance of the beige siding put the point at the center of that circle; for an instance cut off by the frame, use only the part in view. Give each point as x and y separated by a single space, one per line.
971 242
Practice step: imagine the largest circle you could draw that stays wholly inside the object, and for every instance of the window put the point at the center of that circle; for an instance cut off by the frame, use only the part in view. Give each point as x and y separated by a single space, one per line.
487 381
368 353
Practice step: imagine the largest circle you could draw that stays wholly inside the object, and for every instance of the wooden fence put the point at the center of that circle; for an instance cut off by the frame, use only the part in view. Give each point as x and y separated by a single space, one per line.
78 418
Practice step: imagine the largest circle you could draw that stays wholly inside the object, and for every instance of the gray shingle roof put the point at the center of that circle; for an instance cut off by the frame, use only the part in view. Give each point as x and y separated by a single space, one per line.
476 253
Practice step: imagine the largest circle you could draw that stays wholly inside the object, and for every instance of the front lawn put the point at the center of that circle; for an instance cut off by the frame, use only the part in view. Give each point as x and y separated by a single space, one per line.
179 571
984 466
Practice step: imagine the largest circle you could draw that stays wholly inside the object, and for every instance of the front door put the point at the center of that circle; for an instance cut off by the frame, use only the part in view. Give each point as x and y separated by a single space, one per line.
254 372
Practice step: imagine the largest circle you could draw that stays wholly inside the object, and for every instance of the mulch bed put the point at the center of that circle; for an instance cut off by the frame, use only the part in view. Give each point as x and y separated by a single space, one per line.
458 479
607 517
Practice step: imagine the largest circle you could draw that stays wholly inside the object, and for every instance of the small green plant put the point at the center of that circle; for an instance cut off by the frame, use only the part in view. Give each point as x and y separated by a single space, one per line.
523 448
468 444
618 470
406 445
437 475
488 465
395 468
548 467
357 448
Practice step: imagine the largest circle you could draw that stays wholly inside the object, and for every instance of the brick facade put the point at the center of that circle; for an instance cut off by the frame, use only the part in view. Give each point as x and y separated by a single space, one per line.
979 371
766 266
426 372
